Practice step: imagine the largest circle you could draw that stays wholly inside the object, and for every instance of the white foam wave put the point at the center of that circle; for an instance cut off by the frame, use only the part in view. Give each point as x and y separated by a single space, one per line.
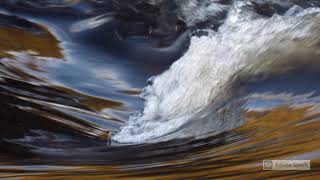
246 46
193 12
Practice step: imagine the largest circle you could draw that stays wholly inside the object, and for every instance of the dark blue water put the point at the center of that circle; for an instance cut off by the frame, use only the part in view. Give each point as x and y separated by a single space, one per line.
70 76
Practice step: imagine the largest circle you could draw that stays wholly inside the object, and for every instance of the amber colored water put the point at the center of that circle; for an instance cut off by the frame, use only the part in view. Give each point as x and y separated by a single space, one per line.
63 92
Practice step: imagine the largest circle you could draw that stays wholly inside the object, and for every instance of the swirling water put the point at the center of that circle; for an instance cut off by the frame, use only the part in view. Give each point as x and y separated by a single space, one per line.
232 83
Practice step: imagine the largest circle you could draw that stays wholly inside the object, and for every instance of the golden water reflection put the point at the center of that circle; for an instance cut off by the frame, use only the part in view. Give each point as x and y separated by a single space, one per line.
281 133
42 43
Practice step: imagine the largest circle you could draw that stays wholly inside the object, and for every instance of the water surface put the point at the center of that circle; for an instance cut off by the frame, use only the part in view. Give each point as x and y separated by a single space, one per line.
233 84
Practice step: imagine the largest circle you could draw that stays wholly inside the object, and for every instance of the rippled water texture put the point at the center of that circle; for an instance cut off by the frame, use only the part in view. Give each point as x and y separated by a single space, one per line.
232 83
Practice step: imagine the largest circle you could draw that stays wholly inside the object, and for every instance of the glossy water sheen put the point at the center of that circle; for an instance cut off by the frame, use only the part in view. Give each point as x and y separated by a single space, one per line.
70 77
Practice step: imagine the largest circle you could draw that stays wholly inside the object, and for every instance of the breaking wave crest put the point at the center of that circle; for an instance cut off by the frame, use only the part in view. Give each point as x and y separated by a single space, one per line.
200 92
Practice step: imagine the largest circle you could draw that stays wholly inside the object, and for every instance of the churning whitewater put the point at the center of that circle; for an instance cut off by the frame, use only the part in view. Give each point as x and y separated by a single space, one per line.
246 48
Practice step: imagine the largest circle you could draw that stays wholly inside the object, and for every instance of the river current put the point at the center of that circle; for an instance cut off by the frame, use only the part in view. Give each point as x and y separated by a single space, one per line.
158 89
